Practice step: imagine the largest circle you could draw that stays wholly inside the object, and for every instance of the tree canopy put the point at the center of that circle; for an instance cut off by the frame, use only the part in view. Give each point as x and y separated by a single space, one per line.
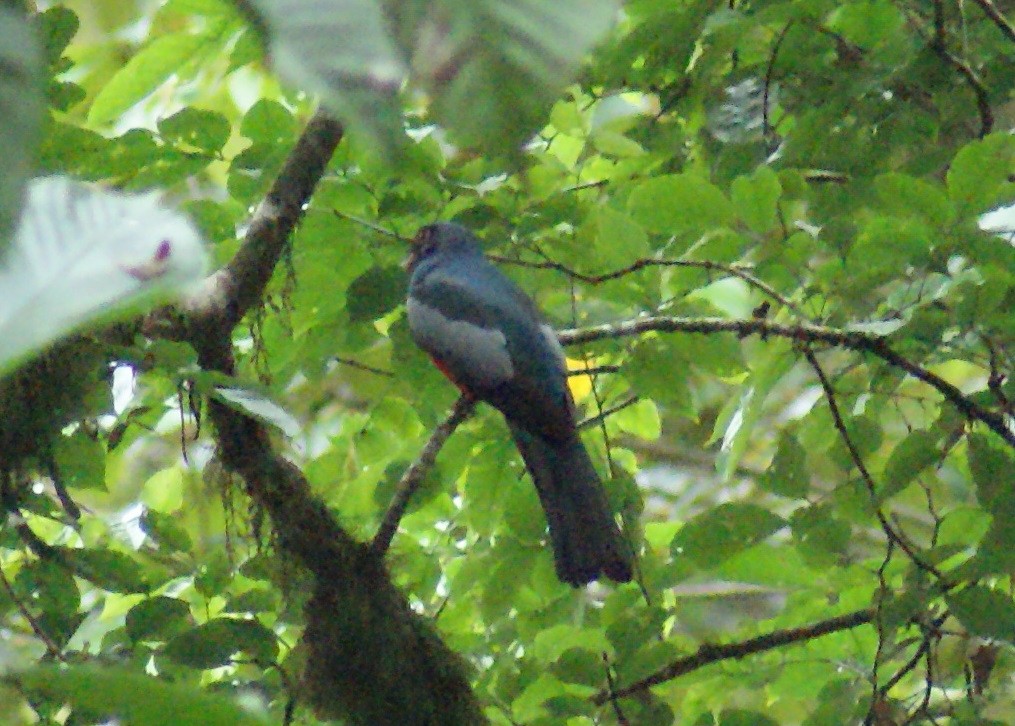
777 240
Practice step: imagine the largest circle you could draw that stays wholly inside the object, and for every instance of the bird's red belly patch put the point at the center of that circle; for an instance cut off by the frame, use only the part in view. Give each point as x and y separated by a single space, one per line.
447 374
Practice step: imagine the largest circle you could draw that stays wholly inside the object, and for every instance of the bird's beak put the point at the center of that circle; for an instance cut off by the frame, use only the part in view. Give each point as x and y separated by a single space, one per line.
415 245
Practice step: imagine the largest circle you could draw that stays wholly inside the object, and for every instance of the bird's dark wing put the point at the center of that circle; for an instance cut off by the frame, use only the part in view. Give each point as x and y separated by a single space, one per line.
484 333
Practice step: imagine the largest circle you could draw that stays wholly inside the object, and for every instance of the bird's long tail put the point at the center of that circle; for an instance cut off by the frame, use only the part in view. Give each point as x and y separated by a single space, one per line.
586 539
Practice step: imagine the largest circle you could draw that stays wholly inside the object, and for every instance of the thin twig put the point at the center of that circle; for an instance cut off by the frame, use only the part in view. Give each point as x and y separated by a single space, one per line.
370 225
611 688
363 367
646 262
607 412
766 127
594 370
707 654
854 453
51 647
936 41
802 332
997 17
417 471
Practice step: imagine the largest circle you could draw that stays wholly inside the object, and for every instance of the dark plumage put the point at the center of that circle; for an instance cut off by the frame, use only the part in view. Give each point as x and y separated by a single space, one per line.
486 335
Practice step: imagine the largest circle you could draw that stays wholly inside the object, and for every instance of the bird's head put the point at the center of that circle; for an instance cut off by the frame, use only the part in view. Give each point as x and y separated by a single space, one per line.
443 239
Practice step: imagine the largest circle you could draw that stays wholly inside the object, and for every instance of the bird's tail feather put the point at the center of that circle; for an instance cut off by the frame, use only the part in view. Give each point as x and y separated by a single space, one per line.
586 540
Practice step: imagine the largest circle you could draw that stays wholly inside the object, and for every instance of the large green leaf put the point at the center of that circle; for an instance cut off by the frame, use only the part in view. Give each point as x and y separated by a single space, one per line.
138 699
21 108
492 67
114 251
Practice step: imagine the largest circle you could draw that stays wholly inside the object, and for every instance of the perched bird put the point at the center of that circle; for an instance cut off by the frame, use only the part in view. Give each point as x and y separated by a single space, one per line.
487 337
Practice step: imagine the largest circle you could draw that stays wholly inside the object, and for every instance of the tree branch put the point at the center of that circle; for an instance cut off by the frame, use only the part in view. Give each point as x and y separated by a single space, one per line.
707 654
360 628
802 332
861 467
51 647
416 473
646 262
997 17
228 294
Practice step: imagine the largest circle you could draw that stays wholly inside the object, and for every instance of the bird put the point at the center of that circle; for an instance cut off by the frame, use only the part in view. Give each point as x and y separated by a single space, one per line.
488 338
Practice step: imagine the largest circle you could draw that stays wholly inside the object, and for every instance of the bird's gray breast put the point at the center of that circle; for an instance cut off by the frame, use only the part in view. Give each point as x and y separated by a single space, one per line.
475 355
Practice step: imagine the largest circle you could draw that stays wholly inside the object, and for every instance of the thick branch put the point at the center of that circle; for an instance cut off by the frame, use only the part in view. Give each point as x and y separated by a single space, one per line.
228 294
707 654
360 628
852 340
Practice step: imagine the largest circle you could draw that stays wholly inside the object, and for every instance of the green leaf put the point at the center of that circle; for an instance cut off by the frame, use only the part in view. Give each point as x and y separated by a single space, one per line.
991 465
640 419
737 428
494 70
341 50
820 536
214 643
985 612
756 198
550 644
157 618
21 99
530 705
80 461
619 240
109 569
788 475
166 531
375 293
906 196
867 24
138 699
739 717
116 251
716 535
57 26
655 369
143 73
206 131
978 171
909 458
679 203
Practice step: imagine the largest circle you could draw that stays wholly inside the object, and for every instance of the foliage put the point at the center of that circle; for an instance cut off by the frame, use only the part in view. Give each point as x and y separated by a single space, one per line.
761 223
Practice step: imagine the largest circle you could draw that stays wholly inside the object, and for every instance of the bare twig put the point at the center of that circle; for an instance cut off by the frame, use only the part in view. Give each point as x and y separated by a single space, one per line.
646 262
707 654
802 332
363 367
766 127
371 225
417 471
936 41
990 9
611 689
607 412
861 467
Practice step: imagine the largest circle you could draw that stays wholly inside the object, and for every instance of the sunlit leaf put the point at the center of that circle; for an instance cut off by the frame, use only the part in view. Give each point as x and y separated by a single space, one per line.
134 697
113 251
